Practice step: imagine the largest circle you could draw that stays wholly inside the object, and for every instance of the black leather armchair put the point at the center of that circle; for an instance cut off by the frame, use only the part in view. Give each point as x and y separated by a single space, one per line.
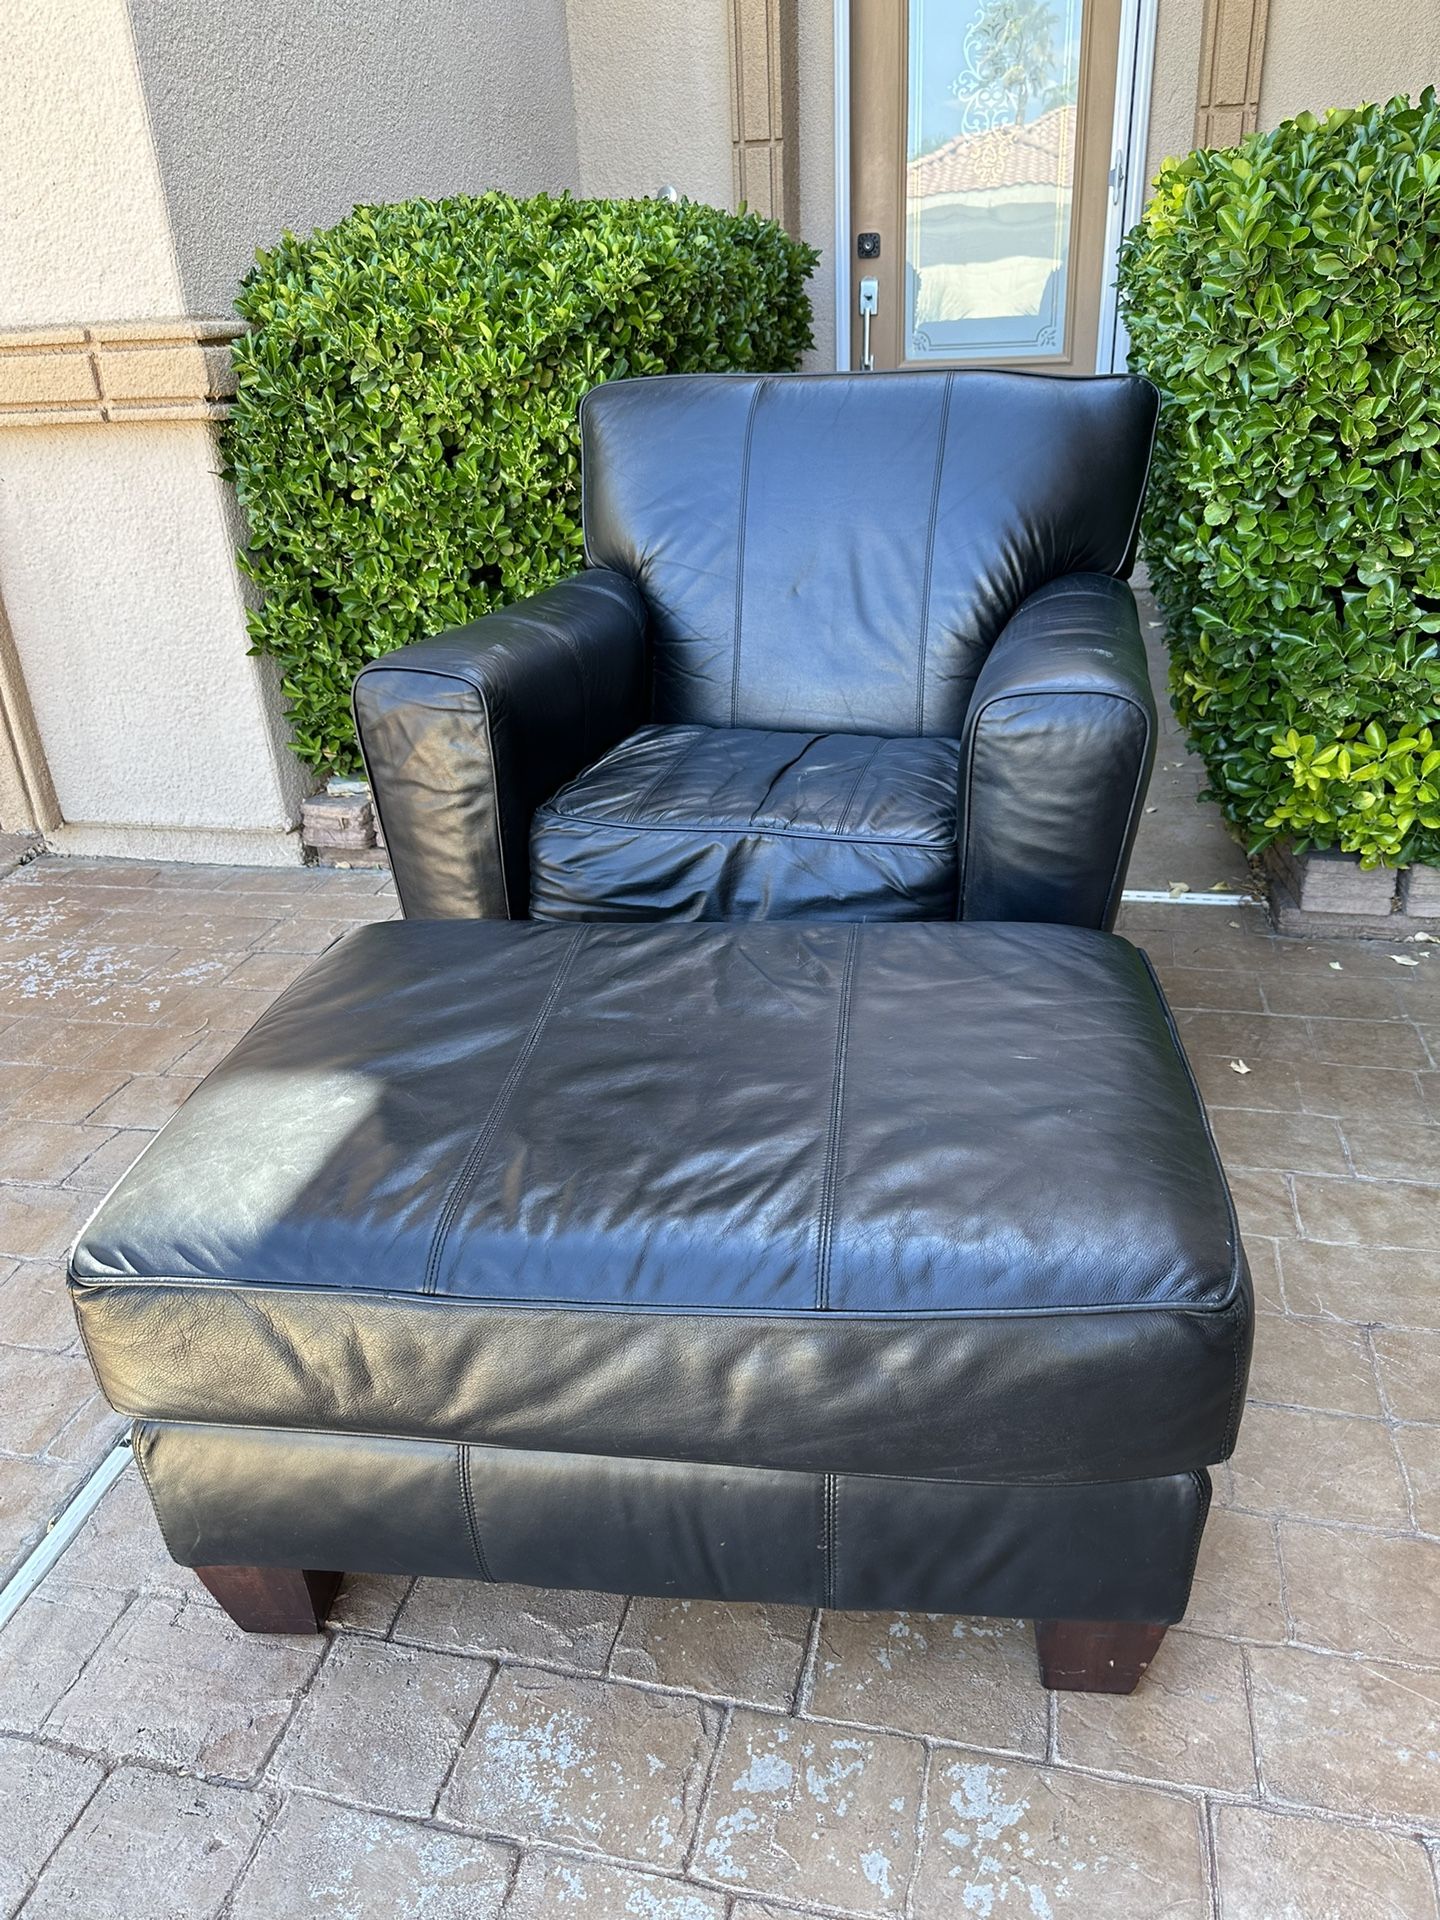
844 647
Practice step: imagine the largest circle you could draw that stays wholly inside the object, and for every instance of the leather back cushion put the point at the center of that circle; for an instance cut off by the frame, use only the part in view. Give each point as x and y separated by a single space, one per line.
839 551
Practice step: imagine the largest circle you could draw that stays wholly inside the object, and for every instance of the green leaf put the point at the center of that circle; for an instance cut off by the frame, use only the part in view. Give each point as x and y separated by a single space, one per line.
404 440
1285 298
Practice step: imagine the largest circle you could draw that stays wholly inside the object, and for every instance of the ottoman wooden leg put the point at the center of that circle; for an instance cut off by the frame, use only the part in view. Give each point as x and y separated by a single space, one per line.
1095 1656
272 1599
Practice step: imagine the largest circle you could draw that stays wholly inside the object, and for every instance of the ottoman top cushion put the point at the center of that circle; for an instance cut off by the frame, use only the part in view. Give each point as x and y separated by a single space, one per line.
893 1198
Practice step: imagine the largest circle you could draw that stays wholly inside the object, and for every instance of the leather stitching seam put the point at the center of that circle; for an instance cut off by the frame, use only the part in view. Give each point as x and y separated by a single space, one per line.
238 1285
825 1234
560 821
844 820
828 1498
776 824
494 770
647 792
834 1565
395 873
760 386
1235 1307
930 552
1127 839
1232 1425
455 1199
1132 539
1236 1245
142 1464
1031 1482
1202 1488
70 1284
467 1501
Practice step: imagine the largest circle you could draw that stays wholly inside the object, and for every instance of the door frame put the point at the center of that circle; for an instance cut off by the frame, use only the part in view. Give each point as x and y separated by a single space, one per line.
1129 138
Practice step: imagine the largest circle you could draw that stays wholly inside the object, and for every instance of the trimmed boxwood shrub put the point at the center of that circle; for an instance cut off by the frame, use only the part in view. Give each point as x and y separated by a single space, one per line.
404 439
1285 296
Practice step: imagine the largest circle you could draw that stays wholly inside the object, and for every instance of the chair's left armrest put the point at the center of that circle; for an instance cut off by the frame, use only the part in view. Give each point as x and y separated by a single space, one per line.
1058 744
464 735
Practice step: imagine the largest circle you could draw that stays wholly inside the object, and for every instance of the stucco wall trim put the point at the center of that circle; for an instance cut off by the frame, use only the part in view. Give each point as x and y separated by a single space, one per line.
764 106
27 793
116 371
1227 102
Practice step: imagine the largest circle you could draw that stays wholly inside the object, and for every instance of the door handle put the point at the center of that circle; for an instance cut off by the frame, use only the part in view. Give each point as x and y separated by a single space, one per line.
869 307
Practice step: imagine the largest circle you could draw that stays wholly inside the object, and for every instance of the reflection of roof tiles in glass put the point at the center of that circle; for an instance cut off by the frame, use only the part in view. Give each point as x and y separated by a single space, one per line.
1041 154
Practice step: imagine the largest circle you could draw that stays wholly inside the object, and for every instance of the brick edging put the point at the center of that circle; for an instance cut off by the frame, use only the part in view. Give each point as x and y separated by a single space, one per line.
1331 896
339 828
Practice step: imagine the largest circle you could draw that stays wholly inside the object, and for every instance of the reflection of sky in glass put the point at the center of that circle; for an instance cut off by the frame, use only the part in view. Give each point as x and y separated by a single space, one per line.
938 35
991 137
942 67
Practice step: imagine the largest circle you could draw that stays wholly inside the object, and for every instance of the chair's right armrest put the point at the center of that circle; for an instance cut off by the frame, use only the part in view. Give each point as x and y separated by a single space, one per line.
1058 745
464 735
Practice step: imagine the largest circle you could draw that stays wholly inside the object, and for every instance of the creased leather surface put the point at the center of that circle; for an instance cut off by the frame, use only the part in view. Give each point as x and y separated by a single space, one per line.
228 1495
838 553
463 736
1058 748
911 1199
707 823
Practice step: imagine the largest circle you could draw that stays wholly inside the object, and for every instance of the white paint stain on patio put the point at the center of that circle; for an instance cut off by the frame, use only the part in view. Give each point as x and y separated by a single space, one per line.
551 1757
841 1801
1013 1840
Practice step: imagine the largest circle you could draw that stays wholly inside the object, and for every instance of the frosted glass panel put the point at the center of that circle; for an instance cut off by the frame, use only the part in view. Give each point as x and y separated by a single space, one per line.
989 177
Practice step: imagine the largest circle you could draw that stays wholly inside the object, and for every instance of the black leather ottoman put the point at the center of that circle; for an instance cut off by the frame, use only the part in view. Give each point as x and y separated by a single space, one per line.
872 1266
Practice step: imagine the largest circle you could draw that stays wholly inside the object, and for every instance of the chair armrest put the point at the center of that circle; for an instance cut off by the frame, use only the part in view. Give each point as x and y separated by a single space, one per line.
1058 743
465 734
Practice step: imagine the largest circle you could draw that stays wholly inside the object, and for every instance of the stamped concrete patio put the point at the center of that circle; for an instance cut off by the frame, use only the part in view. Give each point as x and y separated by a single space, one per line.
460 1752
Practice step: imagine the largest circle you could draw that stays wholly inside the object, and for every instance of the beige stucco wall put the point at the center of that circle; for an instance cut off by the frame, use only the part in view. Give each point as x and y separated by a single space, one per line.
1179 30
1337 53
83 230
653 108
123 598
651 87
116 561
274 114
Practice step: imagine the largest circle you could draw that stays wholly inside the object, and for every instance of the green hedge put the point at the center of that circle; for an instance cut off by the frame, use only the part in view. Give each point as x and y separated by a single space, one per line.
1285 296
404 438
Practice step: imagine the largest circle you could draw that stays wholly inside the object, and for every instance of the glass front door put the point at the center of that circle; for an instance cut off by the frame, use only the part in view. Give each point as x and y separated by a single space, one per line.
982 149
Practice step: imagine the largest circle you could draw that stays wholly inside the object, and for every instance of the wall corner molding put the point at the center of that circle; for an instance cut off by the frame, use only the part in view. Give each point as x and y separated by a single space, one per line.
111 372
765 107
1232 56
27 794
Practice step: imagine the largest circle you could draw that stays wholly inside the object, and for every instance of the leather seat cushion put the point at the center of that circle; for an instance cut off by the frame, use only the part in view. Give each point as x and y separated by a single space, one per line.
731 823
931 1200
